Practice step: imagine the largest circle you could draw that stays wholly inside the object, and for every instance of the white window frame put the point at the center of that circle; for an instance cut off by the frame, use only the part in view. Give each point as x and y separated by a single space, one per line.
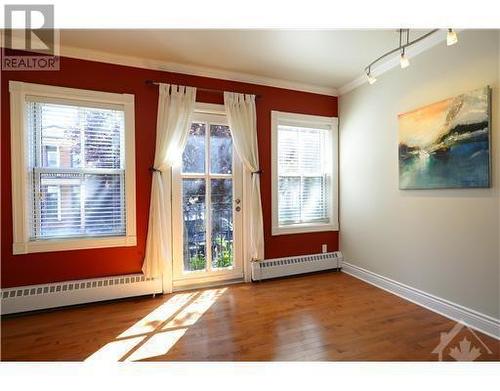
21 208
312 121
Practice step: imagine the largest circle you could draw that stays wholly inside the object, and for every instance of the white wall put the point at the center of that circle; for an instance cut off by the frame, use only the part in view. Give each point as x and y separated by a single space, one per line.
444 242
497 167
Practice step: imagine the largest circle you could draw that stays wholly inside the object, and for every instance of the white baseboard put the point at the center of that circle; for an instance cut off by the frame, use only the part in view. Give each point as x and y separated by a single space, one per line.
61 294
476 320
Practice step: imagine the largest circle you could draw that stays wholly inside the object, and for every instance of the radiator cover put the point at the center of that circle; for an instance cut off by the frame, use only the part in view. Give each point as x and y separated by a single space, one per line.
280 267
65 293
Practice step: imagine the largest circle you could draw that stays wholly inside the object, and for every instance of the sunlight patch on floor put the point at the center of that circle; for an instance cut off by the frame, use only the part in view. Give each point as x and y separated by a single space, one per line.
115 350
156 333
158 345
190 314
154 319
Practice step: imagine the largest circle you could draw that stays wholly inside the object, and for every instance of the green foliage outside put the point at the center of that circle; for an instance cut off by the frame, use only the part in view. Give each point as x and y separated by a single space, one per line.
224 259
197 262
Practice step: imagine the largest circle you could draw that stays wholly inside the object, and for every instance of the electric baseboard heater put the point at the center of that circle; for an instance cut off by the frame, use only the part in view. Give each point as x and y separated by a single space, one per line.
280 267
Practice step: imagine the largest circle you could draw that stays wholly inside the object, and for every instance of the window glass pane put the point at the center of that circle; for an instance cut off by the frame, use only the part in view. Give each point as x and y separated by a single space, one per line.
302 175
289 200
301 150
312 199
104 201
193 208
74 205
103 132
221 150
60 209
51 156
288 151
61 130
311 151
193 158
222 223
57 127
52 209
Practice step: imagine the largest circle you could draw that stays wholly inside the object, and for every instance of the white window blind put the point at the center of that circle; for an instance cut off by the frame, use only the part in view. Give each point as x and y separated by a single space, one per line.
77 170
303 168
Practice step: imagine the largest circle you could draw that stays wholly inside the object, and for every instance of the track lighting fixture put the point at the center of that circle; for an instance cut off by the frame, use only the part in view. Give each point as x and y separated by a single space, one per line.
451 37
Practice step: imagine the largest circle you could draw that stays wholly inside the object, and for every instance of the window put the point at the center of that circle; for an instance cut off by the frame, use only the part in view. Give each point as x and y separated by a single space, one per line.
73 168
304 173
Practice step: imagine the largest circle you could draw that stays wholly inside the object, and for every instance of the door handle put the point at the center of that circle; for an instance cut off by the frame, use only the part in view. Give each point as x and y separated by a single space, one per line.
237 201
237 209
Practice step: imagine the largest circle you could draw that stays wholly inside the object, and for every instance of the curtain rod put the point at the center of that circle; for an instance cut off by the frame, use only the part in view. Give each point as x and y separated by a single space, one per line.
156 83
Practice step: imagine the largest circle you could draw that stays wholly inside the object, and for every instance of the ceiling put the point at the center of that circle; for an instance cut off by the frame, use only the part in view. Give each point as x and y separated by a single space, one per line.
323 58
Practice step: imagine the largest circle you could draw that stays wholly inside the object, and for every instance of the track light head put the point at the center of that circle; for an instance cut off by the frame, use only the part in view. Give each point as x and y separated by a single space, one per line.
404 61
371 79
451 37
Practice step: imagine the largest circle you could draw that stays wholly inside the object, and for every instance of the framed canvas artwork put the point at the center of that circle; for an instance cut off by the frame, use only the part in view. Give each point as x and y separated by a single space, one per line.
447 144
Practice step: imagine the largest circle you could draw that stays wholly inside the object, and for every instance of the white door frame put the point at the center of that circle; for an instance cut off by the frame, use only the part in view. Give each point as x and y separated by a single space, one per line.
215 114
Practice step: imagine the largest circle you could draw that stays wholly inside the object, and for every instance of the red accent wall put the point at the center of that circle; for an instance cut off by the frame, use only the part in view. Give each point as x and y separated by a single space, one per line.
17 270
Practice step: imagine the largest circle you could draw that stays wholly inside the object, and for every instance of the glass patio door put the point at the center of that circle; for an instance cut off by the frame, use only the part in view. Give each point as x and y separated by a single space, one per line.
206 200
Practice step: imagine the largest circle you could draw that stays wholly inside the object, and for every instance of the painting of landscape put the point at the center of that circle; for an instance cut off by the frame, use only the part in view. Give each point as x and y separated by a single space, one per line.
446 144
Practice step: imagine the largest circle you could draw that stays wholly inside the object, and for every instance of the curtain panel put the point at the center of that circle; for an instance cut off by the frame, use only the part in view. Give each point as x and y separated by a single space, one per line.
241 114
175 109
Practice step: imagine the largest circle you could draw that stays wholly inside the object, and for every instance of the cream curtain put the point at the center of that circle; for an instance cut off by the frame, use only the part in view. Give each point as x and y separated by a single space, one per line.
175 108
240 110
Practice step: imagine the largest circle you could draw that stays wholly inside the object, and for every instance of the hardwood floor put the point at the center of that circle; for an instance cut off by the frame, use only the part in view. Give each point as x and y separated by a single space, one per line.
328 316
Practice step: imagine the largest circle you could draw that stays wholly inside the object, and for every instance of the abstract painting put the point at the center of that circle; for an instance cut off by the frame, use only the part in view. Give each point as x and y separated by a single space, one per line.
446 144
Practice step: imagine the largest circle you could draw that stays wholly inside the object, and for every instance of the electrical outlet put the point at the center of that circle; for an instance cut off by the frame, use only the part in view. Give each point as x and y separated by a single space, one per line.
324 248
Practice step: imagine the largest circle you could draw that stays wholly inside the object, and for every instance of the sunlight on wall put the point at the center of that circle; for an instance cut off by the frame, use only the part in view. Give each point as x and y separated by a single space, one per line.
156 333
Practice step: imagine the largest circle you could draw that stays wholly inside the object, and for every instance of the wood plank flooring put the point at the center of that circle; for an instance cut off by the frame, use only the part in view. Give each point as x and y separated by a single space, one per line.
327 316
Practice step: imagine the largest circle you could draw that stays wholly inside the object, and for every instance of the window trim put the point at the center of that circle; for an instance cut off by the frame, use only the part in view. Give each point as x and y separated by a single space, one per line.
19 166
330 123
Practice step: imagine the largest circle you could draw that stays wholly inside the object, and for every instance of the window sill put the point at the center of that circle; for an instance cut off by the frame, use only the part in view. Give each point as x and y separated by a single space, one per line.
303 228
40 246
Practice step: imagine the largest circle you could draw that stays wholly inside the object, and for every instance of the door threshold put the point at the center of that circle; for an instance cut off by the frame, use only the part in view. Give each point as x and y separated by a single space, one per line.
203 285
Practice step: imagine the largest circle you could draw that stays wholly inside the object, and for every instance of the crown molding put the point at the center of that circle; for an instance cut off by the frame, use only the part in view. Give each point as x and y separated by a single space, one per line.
193 70
393 62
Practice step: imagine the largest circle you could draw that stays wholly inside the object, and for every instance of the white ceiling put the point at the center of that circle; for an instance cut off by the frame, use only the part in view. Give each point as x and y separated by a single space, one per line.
323 58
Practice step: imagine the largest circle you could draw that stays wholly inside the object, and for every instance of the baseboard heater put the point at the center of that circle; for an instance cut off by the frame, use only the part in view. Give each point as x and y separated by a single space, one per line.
61 294
280 267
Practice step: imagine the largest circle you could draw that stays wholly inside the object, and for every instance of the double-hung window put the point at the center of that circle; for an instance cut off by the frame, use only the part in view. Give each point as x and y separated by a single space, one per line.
304 173
73 168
